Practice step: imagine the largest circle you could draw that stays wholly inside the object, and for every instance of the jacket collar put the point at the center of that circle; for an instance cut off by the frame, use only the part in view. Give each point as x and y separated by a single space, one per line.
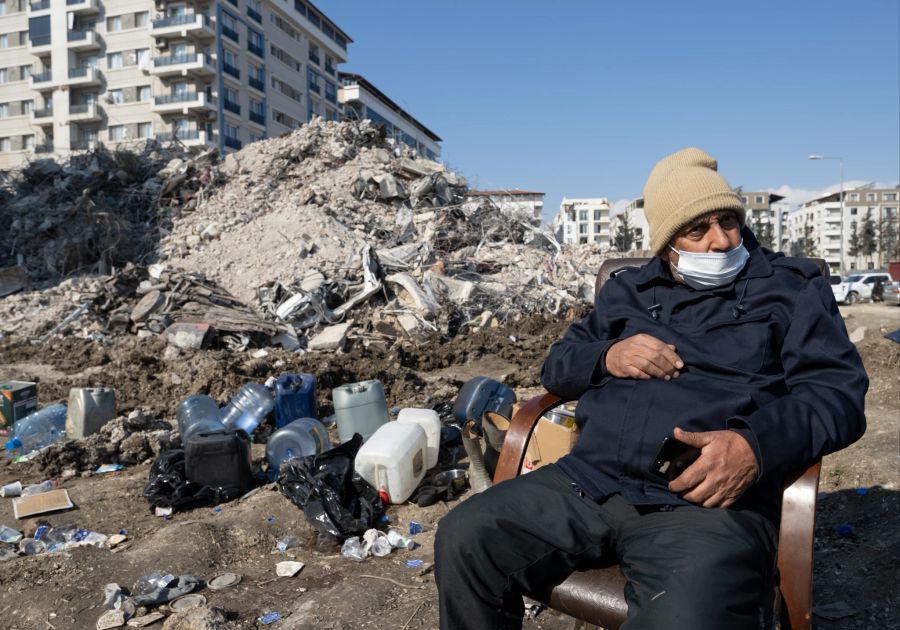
758 266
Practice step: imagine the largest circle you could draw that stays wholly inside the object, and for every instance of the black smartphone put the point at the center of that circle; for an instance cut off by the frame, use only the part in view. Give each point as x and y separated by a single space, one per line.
672 459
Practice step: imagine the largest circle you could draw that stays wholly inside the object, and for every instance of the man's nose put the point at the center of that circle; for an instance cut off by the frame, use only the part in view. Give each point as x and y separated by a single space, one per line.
718 238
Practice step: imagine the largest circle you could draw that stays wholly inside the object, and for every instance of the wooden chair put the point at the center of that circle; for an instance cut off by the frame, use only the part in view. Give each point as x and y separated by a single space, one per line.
597 596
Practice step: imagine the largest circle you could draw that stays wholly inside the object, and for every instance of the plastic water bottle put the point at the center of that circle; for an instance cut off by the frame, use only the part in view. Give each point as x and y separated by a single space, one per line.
299 438
198 413
250 405
37 431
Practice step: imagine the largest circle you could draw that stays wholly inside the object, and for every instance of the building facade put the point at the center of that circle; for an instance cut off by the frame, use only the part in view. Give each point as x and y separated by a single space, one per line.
523 204
583 221
640 229
207 73
820 225
361 99
767 217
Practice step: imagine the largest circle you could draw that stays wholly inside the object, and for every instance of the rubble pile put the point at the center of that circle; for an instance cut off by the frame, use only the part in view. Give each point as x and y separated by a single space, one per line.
310 240
130 439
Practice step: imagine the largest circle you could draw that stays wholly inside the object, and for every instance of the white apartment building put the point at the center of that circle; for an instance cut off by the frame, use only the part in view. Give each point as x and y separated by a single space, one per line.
583 221
640 229
821 220
361 99
524 204
207 73
766 208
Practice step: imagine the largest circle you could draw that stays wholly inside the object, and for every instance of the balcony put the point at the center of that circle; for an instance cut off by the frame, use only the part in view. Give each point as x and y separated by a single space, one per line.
197 64
329 68
41 81
181 103
84 7
82 40
85 113
187 137
46 147
40 46
38 6
85 145
231 70
43 116
257 84
231 106
84 76
233 143
179 26
314 58
254 14
258 118
231 34
256 50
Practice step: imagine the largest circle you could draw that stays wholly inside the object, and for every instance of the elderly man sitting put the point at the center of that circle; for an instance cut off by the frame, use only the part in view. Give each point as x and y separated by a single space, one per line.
715 344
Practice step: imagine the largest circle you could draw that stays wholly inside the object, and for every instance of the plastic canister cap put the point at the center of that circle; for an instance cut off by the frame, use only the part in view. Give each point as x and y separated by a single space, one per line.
13 444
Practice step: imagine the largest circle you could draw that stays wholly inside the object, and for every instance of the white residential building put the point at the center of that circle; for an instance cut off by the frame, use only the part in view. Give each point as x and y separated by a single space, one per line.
765 209
821 221
526 204
583 221
208 73
361 99
640 229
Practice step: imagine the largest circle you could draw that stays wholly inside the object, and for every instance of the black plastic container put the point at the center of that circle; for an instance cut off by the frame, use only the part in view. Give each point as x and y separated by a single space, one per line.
219 459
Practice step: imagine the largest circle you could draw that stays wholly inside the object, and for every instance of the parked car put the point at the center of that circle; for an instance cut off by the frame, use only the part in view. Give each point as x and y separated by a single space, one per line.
859 285
892 293
838 288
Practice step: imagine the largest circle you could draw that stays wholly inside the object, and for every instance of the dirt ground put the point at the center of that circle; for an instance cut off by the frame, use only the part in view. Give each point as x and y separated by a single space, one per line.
855 575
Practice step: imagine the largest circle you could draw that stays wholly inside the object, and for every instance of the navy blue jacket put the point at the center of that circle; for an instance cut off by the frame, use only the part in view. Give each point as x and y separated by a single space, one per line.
767 355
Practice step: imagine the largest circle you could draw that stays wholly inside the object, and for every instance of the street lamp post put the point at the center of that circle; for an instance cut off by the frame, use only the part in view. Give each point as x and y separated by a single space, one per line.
841 160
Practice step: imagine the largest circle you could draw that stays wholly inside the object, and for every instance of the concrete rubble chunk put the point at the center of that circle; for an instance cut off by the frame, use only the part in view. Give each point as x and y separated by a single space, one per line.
412 295
331 338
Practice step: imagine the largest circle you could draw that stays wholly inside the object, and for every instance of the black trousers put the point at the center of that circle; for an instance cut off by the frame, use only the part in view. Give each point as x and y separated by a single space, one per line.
687 566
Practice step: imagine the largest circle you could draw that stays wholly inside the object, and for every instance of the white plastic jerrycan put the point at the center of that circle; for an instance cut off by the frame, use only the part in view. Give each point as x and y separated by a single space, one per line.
429 420
393 459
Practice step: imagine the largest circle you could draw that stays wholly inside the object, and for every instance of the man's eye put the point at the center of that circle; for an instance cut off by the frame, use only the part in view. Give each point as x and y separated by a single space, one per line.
728 222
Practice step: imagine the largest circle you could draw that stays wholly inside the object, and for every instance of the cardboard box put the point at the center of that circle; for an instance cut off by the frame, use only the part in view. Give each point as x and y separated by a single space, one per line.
548 443
43 503
17 400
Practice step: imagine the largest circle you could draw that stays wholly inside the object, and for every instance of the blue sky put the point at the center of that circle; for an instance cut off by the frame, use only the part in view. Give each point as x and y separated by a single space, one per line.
581 98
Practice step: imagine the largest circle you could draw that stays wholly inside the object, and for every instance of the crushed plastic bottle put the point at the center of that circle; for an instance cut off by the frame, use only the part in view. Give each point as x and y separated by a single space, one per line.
376 543
31 547
287 542
353 549
39 488
9 535
37 431
398 540
151 582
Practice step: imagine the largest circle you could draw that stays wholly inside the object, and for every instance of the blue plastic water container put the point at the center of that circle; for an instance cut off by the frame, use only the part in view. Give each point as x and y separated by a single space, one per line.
295 397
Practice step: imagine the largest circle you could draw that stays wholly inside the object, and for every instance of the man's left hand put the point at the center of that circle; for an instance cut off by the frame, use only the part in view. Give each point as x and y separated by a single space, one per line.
725 469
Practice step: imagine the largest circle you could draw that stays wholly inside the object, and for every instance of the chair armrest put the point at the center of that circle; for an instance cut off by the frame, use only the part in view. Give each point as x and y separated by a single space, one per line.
520 429
795 544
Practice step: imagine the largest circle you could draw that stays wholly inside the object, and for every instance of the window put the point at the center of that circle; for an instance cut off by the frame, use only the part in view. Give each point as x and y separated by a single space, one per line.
229 58
28 142
256 106
144 93
5 145
27 107
582 228
284 26
145 130
596 228
760 199
116 97
329 64
892 196
871 197
141 19
331 96
231 131
314 54
254 42
853 211
312 81
4 73
114 61
114 24
285 58
4 110
582 215
4 41
142 56
284 119
854 196
116 132
597 214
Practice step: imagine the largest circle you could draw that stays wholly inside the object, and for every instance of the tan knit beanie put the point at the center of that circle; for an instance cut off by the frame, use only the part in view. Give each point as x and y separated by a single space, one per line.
682 187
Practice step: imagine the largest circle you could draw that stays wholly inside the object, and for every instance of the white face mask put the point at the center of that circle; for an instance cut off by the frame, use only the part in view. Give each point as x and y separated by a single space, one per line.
710 270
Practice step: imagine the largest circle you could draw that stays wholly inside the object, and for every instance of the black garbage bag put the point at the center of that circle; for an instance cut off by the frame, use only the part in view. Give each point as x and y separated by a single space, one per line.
168 485
334 499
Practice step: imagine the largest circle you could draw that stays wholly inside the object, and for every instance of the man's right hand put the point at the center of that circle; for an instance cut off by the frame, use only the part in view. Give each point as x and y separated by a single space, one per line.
643 356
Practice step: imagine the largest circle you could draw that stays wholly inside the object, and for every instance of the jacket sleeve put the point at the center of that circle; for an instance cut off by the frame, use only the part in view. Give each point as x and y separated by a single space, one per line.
824 410
574 363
